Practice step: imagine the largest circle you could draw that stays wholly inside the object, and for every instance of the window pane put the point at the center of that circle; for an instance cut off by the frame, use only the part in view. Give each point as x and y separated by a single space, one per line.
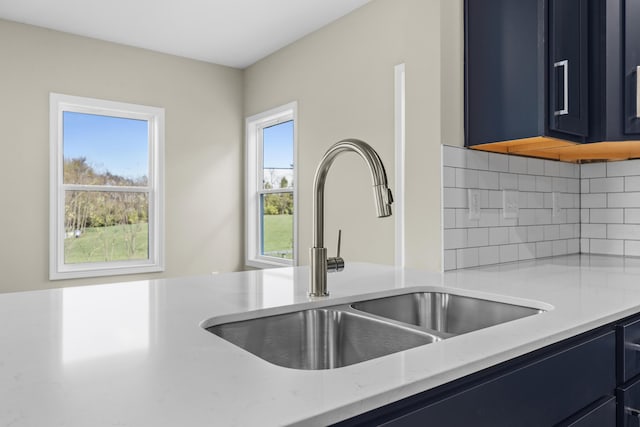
105 226
104 150
277 225
277 155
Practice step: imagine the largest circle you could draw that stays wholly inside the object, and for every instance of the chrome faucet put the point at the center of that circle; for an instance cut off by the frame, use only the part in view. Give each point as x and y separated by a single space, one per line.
319 263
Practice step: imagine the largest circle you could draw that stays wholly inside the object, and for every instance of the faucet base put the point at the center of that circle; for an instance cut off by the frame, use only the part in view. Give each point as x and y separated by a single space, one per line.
318 272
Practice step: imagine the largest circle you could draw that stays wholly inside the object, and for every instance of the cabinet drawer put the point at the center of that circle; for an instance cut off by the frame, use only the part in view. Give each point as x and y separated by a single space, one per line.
600 414
628 399
628 350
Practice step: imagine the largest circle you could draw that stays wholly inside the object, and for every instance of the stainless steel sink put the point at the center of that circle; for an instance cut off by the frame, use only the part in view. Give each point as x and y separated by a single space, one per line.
364 329
444 312
320 338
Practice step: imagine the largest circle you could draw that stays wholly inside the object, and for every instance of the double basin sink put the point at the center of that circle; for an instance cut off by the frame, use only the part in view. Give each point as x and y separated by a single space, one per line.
353 332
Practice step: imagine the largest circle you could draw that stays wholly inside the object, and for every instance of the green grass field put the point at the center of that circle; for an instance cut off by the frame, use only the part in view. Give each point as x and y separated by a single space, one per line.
278 236
100 244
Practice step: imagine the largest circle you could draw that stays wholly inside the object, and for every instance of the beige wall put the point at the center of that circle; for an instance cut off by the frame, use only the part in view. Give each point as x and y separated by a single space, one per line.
204 166
343 79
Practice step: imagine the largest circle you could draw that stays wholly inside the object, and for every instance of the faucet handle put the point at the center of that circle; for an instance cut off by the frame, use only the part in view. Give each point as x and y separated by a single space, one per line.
336 264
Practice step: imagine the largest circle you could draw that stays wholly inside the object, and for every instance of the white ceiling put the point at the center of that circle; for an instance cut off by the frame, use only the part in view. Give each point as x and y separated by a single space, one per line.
236 33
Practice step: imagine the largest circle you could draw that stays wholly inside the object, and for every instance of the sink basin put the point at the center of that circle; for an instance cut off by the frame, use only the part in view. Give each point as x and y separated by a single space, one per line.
362 329
444 312
320 338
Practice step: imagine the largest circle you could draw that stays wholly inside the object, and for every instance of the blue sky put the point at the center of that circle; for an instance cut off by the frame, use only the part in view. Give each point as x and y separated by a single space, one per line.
278 146
109 143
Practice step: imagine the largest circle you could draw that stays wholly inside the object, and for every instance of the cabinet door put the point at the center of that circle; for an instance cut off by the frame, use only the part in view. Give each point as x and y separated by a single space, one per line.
632 67
568 64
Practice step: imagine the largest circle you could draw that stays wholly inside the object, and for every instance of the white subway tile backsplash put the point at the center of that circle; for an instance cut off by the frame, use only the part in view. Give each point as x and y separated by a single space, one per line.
467 257
478 237
455 238
455 197
584 246
623 231
526 183
606 216
551 168
489 180
551 232
606 185
594 231
498 236
623 200
508 253
584 186
559 184
517 164
526 251
498 162
632 248
508 181
489 255
559 247
518 234
568 170
448 177
573 185
544 249
449 262
466 178
454 157
495 199
632 183
628 167
573 246
593 170
632 216
535 166
449 218
490 218
593 200
535 233
544 183
478 160
606 247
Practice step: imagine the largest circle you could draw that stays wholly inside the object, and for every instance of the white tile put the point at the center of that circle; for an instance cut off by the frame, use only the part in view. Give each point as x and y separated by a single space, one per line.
498 162
551 168
495 199
455 197
566 231
584 216
567 170
526 251
606 185
544 249
489 180
544 183
535 166
490 218
454 156
606 216
559 184
543 216
508 222
594 231
449 260
560 217
627 167
508 181
455 238
467 257
477 160
584 246
508 253
593 201
535 200
593 170
623 231
548 200
632 248
523 200
632 183
517 164
623 200
463 221
632 216
489 255
448 177
559 247
484 198
606 247
526 183
518 234
573 216
449 218
573 246
584 186
466 178
535 233
498 236
573 185
477 237
527 217
551 232
565 200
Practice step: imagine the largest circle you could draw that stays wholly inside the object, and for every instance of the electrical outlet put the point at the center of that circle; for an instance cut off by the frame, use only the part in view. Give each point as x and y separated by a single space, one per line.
474 204
510 203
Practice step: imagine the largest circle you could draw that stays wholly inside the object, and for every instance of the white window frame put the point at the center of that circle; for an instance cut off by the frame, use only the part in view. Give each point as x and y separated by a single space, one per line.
59 103
253 233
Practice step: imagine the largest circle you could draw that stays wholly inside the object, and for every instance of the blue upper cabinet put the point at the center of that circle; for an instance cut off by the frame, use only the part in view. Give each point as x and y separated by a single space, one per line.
566 69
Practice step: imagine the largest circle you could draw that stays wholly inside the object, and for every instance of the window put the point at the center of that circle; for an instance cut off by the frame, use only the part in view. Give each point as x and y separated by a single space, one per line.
106 204
271 188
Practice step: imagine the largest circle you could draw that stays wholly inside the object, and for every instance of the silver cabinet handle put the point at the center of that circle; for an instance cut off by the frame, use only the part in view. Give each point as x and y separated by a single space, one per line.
565 106
638 92
632 346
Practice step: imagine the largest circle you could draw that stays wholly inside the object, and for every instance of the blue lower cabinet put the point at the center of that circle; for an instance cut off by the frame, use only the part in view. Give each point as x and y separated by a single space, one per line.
629 403
571 383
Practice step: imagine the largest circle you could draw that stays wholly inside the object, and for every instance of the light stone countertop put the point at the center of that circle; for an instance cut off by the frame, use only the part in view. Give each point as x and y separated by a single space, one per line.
134 354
